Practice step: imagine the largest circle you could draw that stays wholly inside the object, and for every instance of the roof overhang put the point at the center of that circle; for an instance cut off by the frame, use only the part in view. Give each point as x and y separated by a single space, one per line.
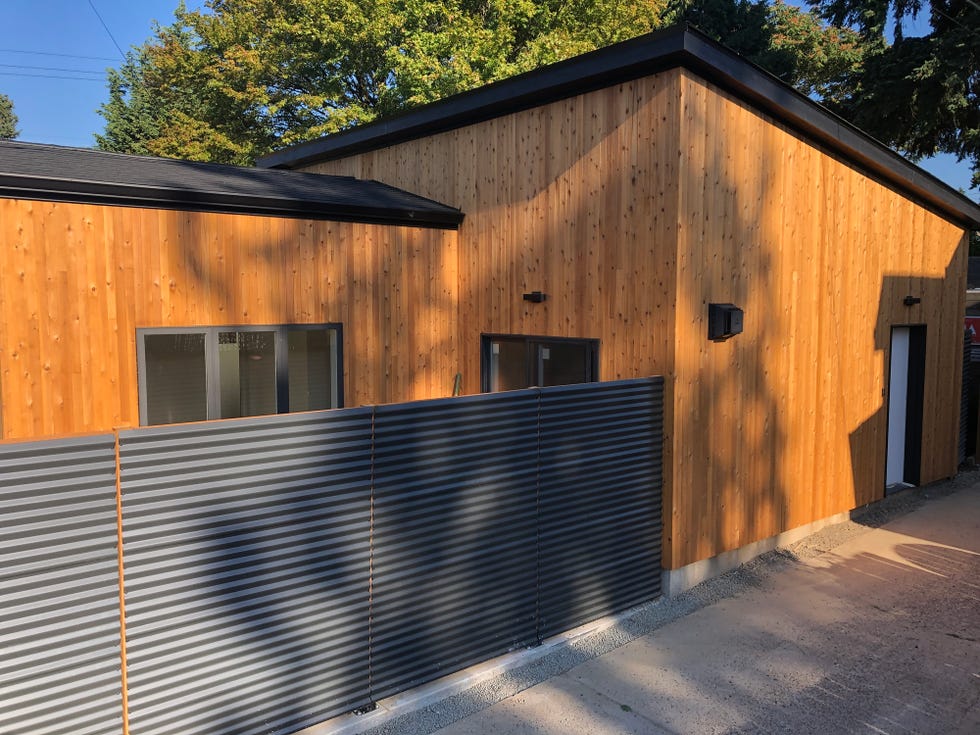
81 175
129 195
680 46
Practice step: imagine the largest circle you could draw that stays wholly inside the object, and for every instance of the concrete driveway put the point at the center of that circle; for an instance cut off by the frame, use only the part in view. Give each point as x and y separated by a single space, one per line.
871 626
880 634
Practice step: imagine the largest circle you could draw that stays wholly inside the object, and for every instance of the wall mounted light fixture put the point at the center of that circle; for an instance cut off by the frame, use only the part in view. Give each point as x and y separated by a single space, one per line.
535 297
911 300
724 321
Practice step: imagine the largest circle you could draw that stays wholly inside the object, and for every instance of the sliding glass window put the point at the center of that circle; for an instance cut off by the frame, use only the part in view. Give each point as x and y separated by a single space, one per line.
510 361
194 374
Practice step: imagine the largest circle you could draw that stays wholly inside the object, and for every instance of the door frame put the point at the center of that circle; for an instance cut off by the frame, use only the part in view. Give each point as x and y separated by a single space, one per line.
914 403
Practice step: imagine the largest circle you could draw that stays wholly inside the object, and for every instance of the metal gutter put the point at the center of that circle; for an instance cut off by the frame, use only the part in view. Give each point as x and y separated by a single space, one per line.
128 195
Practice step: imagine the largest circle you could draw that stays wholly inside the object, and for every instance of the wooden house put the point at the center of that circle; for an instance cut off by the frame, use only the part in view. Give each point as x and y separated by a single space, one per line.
617 203
143 291
658 207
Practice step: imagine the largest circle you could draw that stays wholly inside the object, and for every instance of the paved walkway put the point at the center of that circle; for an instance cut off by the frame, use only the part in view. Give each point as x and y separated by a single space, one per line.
856 629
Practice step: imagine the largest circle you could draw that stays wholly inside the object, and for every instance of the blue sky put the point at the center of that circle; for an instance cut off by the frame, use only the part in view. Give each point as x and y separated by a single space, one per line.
57 93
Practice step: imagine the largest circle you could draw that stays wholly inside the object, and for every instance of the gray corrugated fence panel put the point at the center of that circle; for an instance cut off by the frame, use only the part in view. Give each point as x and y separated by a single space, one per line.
247 562
59 588
600 500
454 535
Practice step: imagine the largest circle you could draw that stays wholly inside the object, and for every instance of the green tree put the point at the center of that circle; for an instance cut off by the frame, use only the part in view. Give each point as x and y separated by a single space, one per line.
241 77
916 93
230 82
8 120
188 93
789 42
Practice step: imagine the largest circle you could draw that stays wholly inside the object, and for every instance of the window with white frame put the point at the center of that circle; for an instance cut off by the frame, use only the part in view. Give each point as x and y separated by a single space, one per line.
199 373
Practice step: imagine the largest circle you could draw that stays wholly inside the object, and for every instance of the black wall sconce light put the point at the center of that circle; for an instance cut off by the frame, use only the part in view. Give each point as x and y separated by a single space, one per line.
724 321
535 297
911 300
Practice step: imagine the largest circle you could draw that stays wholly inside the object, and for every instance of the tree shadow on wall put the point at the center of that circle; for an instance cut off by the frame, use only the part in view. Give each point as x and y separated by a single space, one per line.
932 400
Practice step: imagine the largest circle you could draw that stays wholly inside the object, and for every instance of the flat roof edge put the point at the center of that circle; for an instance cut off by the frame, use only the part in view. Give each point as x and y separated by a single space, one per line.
769 94
123 195
630 59
680 46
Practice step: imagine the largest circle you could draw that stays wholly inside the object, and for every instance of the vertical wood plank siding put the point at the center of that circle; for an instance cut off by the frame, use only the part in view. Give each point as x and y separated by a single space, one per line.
786 423
77 280
577 199
635 206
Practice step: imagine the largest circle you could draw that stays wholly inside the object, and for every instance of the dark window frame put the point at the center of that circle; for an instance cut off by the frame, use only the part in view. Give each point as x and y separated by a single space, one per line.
486 339
213 388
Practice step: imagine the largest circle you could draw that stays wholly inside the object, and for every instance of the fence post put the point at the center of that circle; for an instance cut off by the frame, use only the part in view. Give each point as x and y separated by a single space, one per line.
122 590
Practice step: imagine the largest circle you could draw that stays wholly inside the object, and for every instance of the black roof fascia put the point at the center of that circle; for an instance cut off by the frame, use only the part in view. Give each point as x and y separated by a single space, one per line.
770 94
56 173
680 46
127 195
630 59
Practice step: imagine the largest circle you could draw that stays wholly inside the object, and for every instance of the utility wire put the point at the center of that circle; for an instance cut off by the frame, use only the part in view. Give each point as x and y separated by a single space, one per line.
111 37
50 76
52 68
51 53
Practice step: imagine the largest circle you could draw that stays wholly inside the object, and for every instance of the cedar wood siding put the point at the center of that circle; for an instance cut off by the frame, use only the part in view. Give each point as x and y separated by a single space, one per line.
633 207
77 280
576 198
787 423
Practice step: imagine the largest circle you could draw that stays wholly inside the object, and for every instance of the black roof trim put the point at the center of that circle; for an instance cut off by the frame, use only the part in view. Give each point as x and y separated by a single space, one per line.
679 46
81 175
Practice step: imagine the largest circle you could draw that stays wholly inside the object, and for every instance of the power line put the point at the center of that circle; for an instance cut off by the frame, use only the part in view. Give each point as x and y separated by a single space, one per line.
53 68
108 32
52 53
50 76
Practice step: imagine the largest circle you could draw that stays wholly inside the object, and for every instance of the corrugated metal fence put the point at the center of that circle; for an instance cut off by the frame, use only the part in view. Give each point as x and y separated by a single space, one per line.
285 569
600 525
455 529
247 563
59 588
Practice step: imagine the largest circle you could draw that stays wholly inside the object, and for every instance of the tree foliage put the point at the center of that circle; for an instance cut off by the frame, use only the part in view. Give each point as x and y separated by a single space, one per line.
242 77
789 42
916 93
8 120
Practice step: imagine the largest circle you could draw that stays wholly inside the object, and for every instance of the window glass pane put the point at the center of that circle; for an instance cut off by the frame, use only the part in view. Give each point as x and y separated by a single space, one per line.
312 366
176 378
247 373
563 363
508 365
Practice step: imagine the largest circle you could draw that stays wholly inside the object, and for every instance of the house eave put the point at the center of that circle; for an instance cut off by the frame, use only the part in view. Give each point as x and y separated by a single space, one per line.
679 47
146 197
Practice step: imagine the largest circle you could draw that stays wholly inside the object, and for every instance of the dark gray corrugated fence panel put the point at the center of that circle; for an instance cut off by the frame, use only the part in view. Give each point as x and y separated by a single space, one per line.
600 501
454 535
59 588
247 572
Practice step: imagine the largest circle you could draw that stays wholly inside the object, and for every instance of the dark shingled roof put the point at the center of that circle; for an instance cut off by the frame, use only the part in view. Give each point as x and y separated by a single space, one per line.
680 46
55 173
